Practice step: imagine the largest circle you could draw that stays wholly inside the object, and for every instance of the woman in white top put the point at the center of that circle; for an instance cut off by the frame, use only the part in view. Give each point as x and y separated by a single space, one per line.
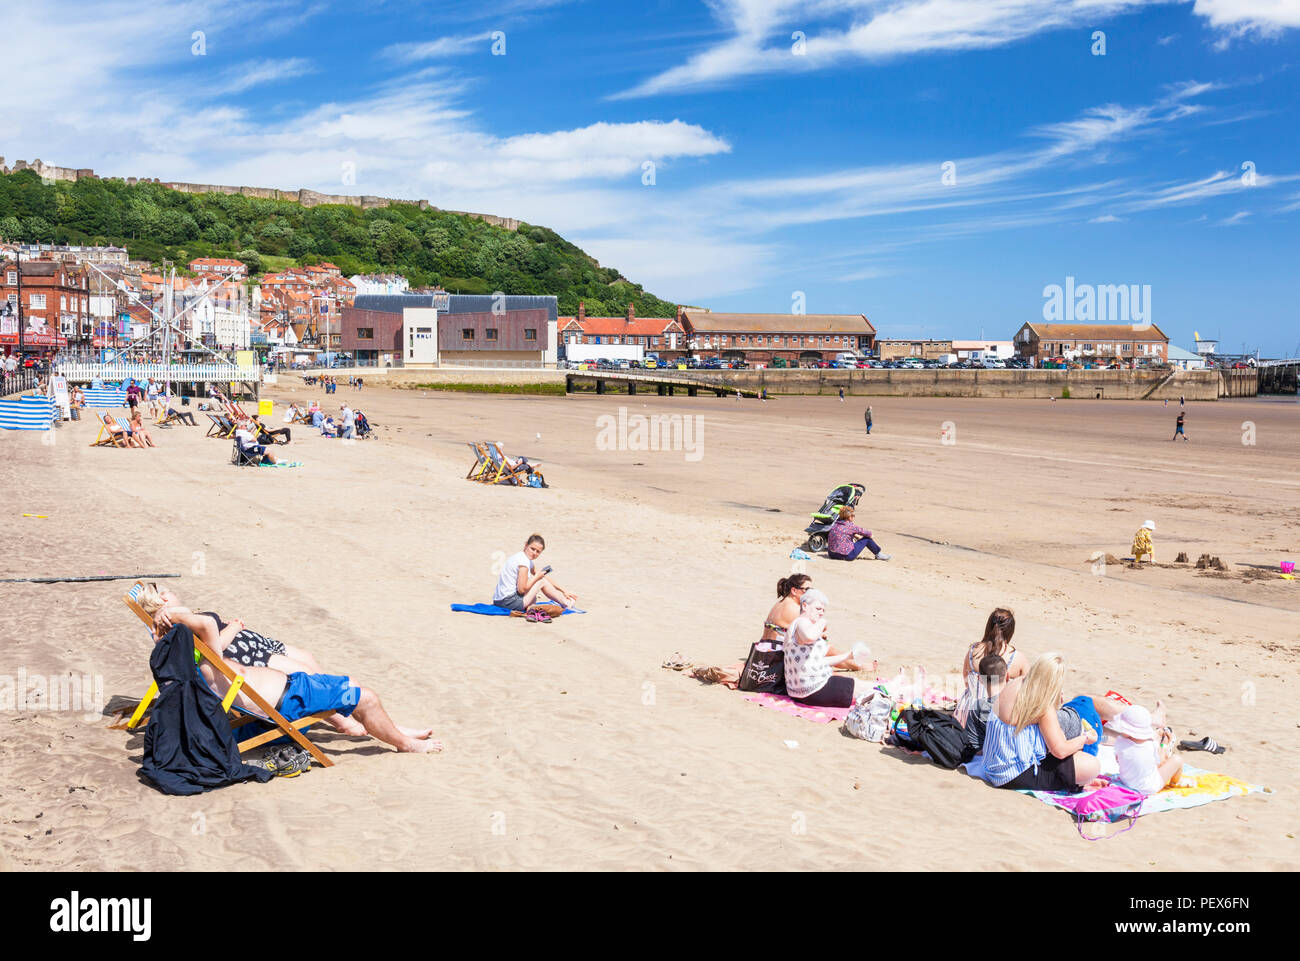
519 586
808 676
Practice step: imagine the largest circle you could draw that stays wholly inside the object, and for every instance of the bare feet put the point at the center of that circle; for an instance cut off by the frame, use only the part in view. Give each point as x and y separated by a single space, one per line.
422 747
419 733
346 725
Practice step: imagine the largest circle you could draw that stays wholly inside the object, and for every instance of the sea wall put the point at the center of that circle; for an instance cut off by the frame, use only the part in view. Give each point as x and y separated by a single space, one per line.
1080 384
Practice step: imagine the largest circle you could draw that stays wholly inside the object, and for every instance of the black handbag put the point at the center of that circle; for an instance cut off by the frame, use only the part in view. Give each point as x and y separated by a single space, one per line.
764 670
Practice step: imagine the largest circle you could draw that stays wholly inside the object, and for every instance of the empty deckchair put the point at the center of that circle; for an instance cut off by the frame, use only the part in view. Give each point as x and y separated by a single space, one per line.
510 470
281 726
111 433
482 462
222 426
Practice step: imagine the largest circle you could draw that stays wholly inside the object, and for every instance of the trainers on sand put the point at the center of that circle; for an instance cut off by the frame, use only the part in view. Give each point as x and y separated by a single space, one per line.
882 556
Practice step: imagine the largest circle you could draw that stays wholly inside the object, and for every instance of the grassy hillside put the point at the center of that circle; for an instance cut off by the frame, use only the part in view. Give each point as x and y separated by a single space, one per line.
461 253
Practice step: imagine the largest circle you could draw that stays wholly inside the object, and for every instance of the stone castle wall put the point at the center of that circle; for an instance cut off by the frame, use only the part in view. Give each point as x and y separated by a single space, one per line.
308 198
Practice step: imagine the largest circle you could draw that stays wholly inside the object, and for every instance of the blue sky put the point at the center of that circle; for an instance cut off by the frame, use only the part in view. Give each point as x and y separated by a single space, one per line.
782 163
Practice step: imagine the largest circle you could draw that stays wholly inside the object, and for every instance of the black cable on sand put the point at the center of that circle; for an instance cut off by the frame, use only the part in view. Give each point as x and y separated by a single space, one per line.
95 577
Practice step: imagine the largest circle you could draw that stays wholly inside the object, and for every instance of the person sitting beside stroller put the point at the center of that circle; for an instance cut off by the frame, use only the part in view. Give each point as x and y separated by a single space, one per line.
248 445
295 686
363 425
520 584
845 540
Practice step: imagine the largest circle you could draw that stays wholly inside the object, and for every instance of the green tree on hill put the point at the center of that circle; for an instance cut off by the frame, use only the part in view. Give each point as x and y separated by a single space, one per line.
462 253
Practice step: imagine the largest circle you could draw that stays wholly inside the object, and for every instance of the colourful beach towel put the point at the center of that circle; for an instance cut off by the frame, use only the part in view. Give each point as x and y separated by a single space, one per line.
493 611
779 702
1197 787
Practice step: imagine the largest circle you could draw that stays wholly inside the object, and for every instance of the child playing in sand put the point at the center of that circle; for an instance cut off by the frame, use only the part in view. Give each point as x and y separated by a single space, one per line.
1142 543
1145 757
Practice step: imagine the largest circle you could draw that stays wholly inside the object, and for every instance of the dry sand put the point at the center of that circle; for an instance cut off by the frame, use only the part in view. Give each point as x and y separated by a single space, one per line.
567 746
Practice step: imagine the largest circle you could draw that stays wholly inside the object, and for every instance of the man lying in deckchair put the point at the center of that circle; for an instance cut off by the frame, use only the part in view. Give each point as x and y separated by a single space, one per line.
296 690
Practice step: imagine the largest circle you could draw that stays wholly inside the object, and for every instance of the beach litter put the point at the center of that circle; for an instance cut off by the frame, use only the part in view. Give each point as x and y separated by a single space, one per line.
799 555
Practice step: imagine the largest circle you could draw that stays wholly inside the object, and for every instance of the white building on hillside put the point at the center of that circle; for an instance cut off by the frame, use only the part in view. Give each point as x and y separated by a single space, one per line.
376 284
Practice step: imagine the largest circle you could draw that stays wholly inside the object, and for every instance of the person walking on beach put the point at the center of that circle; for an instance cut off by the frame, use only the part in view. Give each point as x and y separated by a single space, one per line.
1182 400
1179 428
867 418
841 395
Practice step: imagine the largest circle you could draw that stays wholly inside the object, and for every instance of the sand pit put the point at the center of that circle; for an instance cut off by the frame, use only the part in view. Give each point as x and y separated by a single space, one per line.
567 746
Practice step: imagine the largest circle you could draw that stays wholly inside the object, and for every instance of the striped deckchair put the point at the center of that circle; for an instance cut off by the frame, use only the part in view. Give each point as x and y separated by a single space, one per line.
280 726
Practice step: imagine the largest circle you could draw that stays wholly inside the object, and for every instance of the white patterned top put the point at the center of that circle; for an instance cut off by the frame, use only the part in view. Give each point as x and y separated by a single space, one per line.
806 670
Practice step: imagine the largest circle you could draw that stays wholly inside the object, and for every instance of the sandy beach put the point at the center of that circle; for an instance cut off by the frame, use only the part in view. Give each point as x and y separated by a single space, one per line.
567 745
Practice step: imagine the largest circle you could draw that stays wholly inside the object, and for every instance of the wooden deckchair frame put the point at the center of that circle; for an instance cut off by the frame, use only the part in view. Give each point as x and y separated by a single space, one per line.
504 470
481 463
283 726
114 438
219 429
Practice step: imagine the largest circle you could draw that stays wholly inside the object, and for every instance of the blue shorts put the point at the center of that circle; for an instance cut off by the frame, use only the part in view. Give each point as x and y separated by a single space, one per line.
310 693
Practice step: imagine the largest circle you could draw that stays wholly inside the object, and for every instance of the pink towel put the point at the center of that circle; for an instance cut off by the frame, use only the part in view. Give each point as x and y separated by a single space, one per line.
776 702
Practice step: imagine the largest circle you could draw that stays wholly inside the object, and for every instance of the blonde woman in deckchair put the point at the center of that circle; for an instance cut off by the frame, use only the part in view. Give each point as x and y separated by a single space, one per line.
275 670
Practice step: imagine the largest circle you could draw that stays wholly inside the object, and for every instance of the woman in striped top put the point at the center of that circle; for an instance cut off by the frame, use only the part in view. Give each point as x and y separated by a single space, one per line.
1024 747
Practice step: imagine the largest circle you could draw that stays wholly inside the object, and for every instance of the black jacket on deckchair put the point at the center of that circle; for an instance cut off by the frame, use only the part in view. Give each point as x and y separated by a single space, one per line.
188 745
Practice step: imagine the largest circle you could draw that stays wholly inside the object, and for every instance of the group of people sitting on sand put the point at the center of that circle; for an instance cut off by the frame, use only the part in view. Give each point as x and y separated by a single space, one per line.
349 424
1012 711
1015 714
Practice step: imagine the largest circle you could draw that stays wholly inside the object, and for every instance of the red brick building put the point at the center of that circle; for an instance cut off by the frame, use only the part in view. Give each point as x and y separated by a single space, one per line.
55 305
763 338
665 336
1092 343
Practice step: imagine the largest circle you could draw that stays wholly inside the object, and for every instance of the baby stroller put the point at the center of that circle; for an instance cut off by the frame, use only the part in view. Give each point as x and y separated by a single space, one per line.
846 495
364 429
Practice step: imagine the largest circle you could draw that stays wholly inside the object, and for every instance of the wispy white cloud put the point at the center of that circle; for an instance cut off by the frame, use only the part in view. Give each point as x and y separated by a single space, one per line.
759 36
1244 18
258 72
1235 219
438 49
1106 219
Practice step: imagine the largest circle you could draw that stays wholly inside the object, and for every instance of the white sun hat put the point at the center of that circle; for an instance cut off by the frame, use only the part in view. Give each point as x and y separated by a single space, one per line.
1134 723
1150 525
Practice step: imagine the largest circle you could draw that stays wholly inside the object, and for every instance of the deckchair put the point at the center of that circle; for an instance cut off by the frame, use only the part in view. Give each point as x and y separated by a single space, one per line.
111 433
242 456
507 469
222 426
482 462
282 726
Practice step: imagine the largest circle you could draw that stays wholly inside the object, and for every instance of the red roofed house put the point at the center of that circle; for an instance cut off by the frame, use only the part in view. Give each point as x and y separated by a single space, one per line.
665 336
219 268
